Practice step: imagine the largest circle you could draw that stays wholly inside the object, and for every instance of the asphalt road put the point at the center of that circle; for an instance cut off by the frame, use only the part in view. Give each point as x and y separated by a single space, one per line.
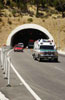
47 79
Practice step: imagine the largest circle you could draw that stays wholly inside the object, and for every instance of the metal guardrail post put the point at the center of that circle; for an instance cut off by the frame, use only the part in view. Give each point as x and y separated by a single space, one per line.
2 58
8 85
8 64
6 67
4 62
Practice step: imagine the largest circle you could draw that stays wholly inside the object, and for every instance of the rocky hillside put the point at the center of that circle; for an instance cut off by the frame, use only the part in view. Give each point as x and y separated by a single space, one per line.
54 23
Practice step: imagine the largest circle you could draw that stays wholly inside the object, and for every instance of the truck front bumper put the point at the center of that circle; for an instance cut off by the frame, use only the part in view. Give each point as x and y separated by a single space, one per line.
52 57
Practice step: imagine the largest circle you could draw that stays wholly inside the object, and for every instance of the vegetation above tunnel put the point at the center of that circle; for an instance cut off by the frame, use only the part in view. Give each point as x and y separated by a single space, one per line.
40 4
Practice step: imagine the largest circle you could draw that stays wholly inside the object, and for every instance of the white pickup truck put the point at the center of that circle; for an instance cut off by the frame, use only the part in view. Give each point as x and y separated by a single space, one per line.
45 49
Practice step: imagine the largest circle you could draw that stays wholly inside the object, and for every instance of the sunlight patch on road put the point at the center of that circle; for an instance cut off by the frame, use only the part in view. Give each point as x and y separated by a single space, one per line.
59 69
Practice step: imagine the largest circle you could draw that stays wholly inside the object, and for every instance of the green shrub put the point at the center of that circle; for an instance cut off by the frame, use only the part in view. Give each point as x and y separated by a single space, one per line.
0 20
10 15
59 5
13 4
30 20
18 19
43 20
14 12
1 5
5 15
9 22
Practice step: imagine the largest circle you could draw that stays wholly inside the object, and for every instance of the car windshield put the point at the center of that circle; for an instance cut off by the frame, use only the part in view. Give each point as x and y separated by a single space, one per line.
47 47
19 46
20 43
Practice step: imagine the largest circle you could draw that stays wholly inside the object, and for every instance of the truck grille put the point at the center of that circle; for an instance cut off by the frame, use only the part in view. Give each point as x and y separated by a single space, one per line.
48 53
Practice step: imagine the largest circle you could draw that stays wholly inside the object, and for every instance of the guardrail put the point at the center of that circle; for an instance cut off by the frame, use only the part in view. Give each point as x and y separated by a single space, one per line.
6 62
6 65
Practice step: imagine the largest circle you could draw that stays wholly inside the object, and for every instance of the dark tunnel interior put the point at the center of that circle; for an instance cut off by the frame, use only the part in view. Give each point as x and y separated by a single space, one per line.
25 35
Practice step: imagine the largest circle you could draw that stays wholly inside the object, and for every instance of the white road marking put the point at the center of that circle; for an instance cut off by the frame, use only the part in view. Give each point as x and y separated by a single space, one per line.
2 97
59 69
25 84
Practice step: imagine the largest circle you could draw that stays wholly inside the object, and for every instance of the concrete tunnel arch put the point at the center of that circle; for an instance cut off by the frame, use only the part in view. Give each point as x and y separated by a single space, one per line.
25 32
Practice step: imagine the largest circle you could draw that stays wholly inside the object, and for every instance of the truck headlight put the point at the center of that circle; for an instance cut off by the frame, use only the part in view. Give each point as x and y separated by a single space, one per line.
56 53
41 53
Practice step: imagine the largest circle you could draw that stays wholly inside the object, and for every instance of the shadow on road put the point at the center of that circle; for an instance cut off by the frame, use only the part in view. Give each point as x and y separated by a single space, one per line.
47 61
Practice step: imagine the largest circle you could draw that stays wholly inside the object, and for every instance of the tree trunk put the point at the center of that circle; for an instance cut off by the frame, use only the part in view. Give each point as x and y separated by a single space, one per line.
37 10
63 14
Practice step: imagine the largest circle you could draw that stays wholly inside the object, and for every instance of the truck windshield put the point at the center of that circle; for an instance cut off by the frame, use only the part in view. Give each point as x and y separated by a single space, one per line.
47 47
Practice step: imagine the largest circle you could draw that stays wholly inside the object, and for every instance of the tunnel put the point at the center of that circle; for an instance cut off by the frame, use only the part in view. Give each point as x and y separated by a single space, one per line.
26 32
25 35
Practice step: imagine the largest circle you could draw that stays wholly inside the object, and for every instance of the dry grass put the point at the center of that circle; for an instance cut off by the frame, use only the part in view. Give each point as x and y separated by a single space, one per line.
56 26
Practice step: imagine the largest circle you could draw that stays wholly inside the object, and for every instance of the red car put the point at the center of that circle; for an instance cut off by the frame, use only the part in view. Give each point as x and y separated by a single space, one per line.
18 48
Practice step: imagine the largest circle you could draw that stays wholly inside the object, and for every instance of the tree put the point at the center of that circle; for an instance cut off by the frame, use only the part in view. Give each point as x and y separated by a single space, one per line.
60 6
1 4
22 4
50 2
44 2
38 4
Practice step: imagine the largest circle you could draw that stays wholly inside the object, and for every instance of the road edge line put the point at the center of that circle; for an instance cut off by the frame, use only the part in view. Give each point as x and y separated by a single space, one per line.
25 84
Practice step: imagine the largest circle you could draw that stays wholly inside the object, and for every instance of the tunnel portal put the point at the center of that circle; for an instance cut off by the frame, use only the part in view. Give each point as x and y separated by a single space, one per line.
25 35
26 32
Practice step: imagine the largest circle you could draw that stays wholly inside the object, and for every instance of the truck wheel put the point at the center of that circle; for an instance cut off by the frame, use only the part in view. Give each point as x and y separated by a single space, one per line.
56 60
34 57
39 59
